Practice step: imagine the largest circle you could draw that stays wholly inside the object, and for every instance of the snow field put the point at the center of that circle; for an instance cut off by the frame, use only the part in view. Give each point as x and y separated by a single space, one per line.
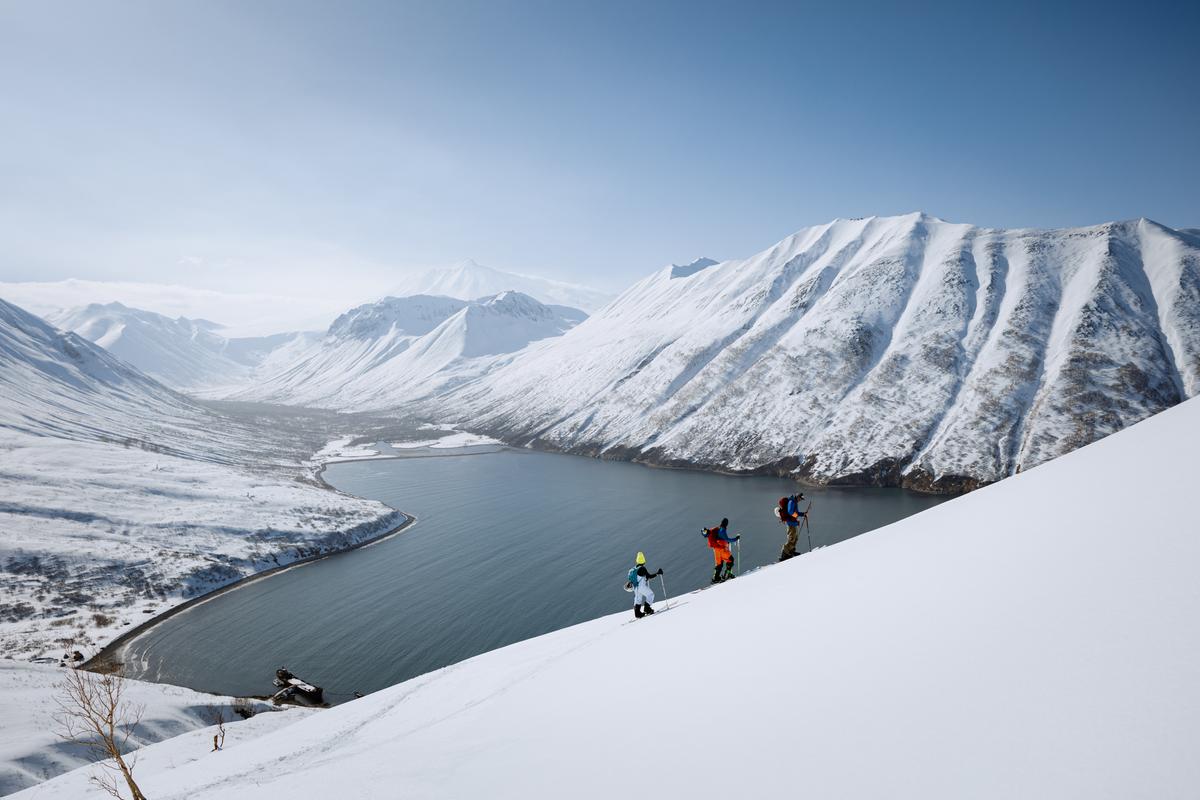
95 538
1035 638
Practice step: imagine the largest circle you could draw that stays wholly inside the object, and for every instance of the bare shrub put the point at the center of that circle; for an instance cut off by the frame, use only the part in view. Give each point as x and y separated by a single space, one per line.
216 715
102 620
93 713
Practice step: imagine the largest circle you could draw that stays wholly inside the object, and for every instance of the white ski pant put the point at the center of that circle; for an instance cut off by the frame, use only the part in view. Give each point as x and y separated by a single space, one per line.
642 593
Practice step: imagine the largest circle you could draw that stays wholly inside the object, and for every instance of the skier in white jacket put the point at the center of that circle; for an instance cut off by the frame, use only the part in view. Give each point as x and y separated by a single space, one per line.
643 595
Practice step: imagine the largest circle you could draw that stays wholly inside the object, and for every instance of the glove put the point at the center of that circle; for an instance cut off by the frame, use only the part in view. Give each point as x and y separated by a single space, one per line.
660 571
737 538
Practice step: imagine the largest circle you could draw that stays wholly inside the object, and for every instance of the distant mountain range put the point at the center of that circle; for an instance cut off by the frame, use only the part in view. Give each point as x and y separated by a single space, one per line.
468 280
401 349
185 354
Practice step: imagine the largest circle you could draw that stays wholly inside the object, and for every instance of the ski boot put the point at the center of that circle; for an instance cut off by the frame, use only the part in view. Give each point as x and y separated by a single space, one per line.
647 609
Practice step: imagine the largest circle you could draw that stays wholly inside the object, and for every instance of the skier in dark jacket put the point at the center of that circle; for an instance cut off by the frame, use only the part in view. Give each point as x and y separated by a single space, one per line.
643 595
720 540
789 514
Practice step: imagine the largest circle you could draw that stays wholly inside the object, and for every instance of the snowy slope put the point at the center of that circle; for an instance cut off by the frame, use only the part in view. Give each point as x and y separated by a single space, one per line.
468 280
119 497
1035 638
31 751
185 354
383 354
59 384
901 350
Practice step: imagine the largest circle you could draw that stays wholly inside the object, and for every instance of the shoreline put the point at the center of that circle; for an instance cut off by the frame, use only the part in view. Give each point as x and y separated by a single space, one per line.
110 657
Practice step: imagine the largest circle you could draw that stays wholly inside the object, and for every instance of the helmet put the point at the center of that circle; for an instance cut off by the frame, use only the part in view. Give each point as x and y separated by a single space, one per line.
641 559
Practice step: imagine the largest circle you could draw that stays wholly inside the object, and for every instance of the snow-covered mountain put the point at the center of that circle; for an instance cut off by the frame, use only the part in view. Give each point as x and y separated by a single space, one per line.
468 280
119 495
388 353
59 384
1034 639
900 350
185 354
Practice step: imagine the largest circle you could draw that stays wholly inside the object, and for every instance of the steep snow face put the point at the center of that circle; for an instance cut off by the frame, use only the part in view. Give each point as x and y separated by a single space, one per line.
952 654
901 350
384 354
468 280
185 354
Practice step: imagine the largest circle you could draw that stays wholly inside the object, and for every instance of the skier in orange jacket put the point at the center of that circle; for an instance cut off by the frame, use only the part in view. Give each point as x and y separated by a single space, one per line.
720 540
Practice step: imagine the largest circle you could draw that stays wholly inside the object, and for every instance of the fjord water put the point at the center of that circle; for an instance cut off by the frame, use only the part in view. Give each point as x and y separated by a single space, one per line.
508 545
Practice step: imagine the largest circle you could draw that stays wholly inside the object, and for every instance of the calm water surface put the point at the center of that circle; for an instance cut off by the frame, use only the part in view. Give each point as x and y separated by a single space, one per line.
508 545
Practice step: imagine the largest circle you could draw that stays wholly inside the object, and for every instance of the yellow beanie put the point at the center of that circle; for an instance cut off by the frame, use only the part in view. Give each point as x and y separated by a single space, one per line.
641 559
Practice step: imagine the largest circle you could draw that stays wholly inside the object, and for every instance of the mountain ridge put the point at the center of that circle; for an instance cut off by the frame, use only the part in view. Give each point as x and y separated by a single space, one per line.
880 351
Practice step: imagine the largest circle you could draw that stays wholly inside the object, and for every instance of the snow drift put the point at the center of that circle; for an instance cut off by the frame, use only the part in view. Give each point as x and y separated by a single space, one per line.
1035 638
879 351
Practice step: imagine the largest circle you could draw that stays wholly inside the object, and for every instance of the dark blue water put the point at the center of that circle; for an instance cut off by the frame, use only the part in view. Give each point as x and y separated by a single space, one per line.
508 545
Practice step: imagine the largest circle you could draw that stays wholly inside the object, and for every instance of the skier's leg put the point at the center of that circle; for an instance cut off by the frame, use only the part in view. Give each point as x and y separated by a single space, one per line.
789 547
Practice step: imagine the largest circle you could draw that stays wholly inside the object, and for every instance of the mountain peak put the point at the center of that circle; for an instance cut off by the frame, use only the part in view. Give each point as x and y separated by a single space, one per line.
691 268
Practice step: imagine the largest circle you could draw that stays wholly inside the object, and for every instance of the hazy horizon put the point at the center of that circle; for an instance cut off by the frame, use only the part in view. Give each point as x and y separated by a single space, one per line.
302 150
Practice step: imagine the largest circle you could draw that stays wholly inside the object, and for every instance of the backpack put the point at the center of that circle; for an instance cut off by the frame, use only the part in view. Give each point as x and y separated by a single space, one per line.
781 510
713 541
631 580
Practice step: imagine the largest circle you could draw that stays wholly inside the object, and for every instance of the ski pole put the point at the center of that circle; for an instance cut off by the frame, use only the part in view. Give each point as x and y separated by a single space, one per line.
808 532
666 603
739 556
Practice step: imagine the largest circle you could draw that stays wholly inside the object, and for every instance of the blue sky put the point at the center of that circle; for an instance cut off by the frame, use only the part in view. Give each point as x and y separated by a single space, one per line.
241 145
